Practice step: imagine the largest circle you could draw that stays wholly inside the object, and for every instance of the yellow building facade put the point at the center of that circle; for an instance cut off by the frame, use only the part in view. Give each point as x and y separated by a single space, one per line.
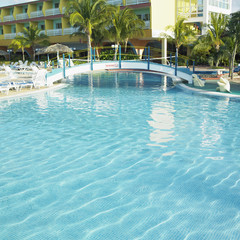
49 16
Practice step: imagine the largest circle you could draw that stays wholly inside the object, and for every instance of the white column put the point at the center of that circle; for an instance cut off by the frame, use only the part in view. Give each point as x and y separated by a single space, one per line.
164 51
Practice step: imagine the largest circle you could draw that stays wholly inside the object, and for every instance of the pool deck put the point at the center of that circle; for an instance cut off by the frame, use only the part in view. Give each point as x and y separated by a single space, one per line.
27 91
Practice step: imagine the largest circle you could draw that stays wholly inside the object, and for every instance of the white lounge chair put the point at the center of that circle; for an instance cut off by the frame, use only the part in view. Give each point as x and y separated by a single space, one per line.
4 88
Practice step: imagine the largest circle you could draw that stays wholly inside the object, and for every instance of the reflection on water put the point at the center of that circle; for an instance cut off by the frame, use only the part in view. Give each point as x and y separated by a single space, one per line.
162 123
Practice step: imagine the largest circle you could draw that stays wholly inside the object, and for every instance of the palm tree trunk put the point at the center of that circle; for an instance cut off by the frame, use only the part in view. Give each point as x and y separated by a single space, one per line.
33 48
116 50
126 41
23 57
89 46
97 53
233 59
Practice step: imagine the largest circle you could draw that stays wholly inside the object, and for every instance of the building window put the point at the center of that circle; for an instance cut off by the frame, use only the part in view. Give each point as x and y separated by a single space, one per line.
56 5
42 27
58 25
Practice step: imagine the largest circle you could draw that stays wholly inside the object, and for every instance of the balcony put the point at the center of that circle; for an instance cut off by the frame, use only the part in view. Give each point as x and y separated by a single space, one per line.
68 31
52 12
42 32
135 2
36 14
21 16
10 35
54 32
8 18
115 2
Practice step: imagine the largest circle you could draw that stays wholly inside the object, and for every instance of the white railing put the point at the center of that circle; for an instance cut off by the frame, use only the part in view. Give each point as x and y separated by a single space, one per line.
68 31
42 32
36 14
21 16
10 35
147 24
134 2
52 11
8 18
115 2
54 32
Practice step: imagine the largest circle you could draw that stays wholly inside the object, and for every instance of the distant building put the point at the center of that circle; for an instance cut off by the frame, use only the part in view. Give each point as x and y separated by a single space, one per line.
48 15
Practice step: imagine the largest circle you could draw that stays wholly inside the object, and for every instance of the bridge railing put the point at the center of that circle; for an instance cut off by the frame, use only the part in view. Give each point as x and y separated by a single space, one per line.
118 57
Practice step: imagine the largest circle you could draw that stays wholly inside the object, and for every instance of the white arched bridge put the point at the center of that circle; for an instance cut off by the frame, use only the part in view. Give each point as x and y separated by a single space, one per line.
176 73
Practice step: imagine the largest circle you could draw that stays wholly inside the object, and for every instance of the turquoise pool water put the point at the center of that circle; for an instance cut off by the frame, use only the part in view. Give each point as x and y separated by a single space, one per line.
119 156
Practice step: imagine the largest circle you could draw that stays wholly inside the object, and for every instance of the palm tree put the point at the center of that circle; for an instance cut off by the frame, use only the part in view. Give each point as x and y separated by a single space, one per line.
122 28
32 37
216 29
234 34
182 34
19 43
133 28
213 39
87 14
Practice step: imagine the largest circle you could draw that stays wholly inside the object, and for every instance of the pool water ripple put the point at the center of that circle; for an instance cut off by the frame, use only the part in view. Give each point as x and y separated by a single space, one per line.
114 156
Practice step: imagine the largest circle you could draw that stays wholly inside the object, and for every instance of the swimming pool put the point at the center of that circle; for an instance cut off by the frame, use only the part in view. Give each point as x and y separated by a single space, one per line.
119 156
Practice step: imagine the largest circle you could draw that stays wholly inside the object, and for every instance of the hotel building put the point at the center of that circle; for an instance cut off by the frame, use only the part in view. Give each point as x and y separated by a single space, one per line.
49 16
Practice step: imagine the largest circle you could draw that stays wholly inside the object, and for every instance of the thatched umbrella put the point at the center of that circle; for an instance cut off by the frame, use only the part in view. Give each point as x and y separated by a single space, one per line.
55 48
3 53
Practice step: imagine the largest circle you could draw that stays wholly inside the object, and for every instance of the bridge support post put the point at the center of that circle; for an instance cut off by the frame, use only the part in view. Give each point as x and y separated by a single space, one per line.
53 64
69 64
64 73
176 63
94 54
120 57
170 60
148 57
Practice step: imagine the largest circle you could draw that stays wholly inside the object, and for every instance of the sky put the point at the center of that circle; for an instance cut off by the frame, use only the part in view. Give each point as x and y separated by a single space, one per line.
236 3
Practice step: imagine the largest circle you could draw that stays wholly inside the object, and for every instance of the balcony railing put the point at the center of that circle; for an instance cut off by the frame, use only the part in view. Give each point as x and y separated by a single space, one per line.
8 18
147 24
134 2
68 31
36 14
10 35
21 16
54 32
115 2
52 12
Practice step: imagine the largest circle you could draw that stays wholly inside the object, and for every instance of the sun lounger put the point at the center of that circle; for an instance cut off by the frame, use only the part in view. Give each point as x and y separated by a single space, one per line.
4 88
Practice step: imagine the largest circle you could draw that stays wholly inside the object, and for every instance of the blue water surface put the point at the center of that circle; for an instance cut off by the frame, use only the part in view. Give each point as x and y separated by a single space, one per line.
119 156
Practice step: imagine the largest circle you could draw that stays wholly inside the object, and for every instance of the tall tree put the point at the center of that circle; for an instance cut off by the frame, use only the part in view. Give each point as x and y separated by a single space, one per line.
234 34
34 37
19 43
87 14
213 40
216 29
121 28
182 33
